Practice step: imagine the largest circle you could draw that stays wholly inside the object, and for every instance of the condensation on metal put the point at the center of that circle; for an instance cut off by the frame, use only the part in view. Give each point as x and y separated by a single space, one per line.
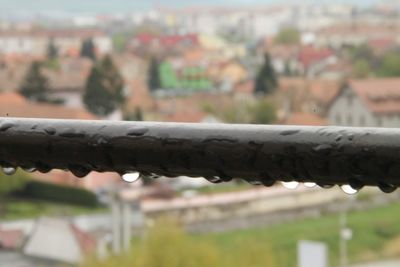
259 154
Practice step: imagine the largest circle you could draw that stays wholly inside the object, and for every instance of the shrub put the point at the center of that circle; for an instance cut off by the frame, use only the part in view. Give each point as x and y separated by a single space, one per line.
58 193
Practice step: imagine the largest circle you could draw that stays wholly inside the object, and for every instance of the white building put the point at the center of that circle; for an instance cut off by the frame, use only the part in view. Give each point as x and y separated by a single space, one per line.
369 102
35 42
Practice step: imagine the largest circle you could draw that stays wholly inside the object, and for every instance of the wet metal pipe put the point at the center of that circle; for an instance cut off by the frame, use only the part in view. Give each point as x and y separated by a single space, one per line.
219 152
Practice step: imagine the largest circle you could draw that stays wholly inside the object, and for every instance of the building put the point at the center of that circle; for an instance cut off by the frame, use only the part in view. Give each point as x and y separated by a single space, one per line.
369 102
59 240
68 41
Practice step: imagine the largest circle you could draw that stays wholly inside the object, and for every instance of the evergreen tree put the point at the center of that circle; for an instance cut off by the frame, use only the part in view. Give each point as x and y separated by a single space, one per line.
88 49
153 76
52 50
266 80
35 84
104 88
112 80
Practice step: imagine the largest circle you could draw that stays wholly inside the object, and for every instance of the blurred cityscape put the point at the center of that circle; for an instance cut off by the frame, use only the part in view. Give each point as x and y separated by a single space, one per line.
278 63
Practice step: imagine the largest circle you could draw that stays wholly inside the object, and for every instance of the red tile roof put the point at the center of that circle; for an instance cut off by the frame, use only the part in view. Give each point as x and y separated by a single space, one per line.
379 95
12 105
309 55
10 239
86 242
166 40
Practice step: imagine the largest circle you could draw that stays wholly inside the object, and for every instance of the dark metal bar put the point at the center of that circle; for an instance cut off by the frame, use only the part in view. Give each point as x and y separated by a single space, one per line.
219 152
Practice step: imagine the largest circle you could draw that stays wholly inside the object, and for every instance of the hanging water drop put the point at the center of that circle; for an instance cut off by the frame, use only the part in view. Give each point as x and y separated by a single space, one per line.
29 169
325 186
131 177
290 185
309 184
9 170
386 188
348 189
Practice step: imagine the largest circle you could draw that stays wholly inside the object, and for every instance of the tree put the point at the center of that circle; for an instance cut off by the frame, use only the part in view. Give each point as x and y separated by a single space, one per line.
153 76
35 84
361 69
390 65
112 80
263 112
104 88
52 50
266 81
88 49
288 35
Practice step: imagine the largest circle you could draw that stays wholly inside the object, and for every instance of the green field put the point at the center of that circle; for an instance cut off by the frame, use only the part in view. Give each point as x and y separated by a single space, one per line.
376 235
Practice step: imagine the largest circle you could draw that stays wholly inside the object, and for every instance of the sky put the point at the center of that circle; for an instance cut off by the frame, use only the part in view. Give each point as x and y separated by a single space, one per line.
31 7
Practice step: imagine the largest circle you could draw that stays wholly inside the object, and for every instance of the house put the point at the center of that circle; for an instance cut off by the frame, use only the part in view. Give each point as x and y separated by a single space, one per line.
307 95
36 41
311 60
368 102
59 240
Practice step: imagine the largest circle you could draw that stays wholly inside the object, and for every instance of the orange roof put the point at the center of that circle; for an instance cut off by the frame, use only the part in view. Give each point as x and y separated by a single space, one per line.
321 90
379 95
305 119
86 242
14 105
12 98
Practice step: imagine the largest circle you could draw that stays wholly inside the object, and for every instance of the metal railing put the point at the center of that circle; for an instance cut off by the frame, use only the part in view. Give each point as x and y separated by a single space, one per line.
259 154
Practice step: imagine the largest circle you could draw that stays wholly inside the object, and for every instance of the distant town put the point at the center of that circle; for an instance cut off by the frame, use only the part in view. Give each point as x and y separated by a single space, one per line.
309 64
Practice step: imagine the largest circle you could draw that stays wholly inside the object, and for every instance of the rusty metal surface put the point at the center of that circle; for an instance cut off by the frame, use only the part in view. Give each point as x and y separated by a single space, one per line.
219 152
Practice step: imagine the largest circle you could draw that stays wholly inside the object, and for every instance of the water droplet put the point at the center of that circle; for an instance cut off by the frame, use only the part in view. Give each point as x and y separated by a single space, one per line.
131 177
214 179
386 188
356 184
29 169
325 186
50 130
42 167
290 185
78 170
309 184
137 131
289 132
71 133
9 170
348 189
5 126
254 182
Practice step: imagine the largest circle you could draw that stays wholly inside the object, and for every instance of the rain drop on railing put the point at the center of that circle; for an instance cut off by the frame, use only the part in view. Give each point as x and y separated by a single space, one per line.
131 177
9 170
348 189
290 185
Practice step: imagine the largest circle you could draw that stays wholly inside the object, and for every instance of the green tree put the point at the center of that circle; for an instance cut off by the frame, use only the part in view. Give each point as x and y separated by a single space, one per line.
288 35
35 84
104 88
263 112
361 69
88 49
266 80
153 75
390 65
52 50
184 250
